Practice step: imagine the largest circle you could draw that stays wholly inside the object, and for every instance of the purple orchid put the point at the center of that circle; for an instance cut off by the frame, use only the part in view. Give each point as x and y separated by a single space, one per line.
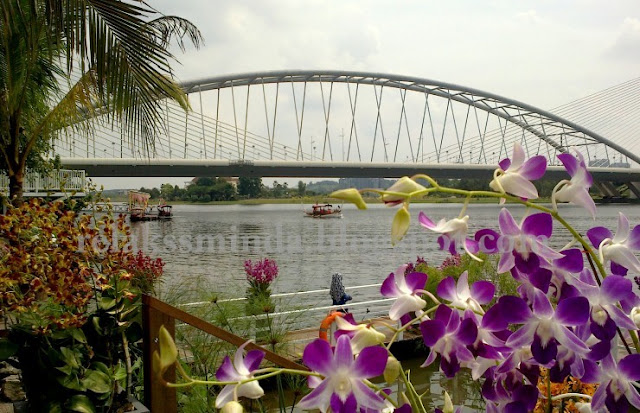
406 289
515 175
616 390
605 314
454 234
543 328
576 191
522 245
241 369
618 249
462 297
343 388
448 336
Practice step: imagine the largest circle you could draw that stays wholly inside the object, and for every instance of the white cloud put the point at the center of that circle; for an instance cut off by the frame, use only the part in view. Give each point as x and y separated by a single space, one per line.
627 43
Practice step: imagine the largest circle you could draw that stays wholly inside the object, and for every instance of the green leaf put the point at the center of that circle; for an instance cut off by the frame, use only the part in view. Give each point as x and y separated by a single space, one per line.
81 403
101 367
71 382
78 335
97 381
96 325
121 373
107 303
70 357
7 349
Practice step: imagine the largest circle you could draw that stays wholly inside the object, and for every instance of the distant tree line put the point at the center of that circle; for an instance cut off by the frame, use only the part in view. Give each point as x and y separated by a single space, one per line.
206 189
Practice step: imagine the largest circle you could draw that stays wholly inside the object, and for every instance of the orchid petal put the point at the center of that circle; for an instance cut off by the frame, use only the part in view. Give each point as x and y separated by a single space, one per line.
425 221
318 356
572 260
250 390
622 233
568 339
416 281
515 309
508 225
633 241
615 288
630 367
483 291
570 163
320 397
521 337
370 362
534 168
517 185
226 371
225 396
573 311
343 355
432 331
253 359
538 225
404 305
447 289
598 234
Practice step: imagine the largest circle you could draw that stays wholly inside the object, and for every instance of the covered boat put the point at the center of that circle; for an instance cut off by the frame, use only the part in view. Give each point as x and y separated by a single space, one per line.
324 211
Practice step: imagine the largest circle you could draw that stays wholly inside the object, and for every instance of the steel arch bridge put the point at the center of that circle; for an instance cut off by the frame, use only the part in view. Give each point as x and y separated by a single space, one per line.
342 123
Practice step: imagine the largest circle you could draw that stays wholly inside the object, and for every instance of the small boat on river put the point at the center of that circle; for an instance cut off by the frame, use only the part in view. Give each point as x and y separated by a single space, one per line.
139 209
323 211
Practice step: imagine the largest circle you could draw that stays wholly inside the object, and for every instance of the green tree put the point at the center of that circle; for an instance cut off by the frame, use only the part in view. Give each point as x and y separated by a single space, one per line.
249 187
302 188
119 50
167 191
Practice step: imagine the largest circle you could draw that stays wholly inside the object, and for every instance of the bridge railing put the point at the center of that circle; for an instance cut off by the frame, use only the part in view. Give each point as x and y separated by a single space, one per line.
60 180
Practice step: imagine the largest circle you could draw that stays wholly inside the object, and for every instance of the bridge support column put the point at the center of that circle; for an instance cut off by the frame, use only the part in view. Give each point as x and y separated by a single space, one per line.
607 189
634 189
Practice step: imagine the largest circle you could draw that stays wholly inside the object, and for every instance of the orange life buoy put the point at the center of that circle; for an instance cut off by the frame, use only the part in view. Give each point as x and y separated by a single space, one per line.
326 323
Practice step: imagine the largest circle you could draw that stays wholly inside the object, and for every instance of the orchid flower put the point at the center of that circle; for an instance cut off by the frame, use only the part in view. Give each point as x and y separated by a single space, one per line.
404 186
544 327
448 336
605 314
406 289
616 390
361 335
618 249
463 297
342 387
515 175
521 245
576 190
454 233
241 369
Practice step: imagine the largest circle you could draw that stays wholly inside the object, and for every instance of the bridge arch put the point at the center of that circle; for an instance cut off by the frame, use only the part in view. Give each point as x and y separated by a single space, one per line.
447 122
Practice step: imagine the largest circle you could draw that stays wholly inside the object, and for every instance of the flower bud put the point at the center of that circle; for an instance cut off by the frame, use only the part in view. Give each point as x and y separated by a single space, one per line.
400 225
403 185
448 404
350 195
635 316
232 407
392 370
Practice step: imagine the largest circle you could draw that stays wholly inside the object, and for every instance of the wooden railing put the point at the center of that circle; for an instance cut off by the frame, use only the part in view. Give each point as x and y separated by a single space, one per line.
155 313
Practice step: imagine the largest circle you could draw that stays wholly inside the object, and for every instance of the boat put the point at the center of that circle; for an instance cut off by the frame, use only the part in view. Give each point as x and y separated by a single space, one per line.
324 211
139 209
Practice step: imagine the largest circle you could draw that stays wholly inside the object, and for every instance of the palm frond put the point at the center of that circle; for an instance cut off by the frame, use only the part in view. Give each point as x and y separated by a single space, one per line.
174 28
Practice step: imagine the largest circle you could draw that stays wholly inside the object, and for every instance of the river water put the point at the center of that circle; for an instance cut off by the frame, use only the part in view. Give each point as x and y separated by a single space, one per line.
204 248
209 243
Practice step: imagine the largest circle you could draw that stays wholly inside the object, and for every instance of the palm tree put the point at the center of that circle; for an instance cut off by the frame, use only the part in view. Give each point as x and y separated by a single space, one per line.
117 53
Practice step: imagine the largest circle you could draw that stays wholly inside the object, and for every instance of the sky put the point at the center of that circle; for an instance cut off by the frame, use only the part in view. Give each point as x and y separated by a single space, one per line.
544 52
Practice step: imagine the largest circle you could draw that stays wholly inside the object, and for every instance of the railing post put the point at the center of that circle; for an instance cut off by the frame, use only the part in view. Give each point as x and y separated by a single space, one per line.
158 397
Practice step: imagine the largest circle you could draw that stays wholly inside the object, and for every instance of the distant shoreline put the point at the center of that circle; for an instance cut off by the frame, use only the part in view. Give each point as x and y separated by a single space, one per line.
328 200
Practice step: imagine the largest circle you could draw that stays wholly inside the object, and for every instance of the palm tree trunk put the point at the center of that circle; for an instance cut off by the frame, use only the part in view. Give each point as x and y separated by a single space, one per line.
16 187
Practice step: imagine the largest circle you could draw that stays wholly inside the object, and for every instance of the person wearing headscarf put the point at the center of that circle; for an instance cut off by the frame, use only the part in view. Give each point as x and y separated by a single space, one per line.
337 292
